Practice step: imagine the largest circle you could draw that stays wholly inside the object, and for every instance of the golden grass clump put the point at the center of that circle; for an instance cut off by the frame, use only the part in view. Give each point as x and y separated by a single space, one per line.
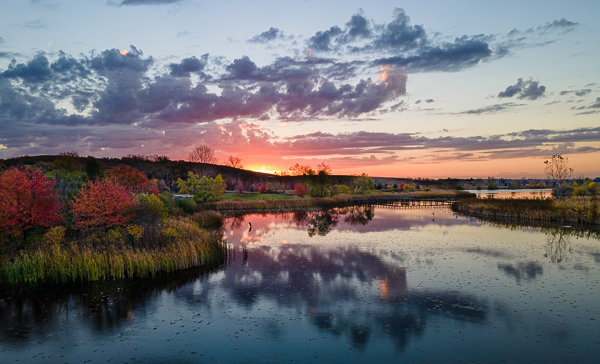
185 245
575 210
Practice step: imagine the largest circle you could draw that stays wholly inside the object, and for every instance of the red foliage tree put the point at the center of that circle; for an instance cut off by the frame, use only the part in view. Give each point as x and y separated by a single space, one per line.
103 204
134 179
262 189
27 200
300 190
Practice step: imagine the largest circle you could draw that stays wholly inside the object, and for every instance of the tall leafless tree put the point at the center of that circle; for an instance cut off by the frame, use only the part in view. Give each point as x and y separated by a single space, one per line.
558 169
235 162
203 154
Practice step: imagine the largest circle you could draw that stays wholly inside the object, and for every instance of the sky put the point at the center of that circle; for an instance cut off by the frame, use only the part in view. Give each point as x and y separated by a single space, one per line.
430 88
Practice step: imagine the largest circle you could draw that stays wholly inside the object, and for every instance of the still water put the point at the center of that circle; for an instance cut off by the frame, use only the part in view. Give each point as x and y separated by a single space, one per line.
353 285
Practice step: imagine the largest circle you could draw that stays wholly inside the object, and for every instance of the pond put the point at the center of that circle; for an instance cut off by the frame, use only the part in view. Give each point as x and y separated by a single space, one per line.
522 193
359 284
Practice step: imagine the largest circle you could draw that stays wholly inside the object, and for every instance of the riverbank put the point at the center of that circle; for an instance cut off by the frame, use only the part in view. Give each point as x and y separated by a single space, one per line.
181 239
575 210
237 206
115 254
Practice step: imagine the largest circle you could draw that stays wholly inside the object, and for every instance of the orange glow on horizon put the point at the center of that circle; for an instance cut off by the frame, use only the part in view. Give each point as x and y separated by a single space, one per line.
262 169
124 52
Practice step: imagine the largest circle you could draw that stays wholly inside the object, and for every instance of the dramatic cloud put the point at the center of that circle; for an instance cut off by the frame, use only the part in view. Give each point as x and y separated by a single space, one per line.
524 90
265 37
449 57
118 89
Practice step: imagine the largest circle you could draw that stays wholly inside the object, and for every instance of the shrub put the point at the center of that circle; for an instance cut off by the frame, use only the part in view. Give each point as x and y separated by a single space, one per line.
103 204
27 200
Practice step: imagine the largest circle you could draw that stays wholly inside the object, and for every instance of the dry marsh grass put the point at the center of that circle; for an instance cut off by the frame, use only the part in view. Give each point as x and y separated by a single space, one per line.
575 210
183 245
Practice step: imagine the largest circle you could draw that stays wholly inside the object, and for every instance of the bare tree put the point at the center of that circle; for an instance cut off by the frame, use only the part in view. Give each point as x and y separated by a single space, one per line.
557 168
324 167
235 162
203 154
300 170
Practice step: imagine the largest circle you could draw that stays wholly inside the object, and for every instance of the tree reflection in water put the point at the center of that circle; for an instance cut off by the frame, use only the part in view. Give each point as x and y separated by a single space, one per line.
558 246
323 222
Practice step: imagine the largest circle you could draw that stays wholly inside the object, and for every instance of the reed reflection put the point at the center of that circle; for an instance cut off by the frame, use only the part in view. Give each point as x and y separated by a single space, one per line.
28 312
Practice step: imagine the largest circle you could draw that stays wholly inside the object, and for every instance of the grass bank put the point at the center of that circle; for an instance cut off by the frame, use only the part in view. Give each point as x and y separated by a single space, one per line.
576 210
327 202
257 196
179 244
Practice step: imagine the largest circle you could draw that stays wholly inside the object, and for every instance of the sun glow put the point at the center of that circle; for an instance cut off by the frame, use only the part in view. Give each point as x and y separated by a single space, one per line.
262 169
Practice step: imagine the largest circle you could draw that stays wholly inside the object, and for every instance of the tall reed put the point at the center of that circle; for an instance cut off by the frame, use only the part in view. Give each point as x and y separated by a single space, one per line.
576 210
185 245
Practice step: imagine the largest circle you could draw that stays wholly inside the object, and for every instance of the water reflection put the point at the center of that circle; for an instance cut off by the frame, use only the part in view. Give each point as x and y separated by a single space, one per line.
29 311
558 246
351 285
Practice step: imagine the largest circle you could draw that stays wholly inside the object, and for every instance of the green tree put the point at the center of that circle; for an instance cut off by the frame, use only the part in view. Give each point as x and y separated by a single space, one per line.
93 169
491 183
218 188
319 184
190 185
364 184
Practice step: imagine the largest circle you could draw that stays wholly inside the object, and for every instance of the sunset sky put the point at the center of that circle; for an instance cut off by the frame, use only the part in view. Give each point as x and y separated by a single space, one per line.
430 88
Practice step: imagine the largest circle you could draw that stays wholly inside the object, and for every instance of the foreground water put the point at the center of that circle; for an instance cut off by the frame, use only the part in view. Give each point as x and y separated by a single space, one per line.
355 285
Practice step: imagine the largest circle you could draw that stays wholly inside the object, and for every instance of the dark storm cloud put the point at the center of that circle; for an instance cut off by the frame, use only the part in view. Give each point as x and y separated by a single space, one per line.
524 90
149 2
267 36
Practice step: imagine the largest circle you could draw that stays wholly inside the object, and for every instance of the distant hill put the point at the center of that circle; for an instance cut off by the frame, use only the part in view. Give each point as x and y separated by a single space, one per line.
169 171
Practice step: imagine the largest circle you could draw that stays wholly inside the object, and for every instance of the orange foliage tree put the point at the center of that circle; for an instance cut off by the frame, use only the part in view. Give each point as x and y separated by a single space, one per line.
27 200
133 178
103 204
300 190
